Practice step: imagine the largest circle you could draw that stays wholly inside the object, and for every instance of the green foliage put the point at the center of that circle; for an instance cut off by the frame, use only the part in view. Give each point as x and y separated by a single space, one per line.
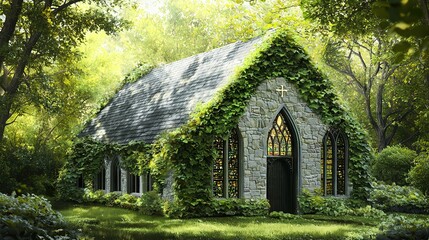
395 198
110 198
333 206
316 204
240 207
189 148
188 151
128 201
94 197
222 208
342 16
31 217
408 19
152 203
53 30
400 228
393 164
25 169
419 173
138 72
86 158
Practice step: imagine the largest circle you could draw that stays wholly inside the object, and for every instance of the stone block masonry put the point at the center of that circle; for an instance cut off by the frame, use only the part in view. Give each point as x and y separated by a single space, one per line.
255 124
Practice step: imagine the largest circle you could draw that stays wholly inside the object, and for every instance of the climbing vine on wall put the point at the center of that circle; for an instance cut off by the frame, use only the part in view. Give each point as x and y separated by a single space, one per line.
188 151
189 148
88 156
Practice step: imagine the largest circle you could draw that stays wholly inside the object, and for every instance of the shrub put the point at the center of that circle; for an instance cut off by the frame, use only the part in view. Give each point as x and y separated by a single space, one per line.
419 174
333 206
94 197
393 164
316 204
151 203
223 207
110 198
368 211
395 198
31 217
400 227
127 201
240 207
28 169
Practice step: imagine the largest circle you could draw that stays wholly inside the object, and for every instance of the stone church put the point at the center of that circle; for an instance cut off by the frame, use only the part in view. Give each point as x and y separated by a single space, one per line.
279 147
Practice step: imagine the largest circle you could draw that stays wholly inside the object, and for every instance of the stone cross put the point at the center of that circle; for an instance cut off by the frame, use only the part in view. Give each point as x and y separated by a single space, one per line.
282 90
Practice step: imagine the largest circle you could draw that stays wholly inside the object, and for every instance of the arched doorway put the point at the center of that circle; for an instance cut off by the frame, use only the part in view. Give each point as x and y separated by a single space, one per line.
282 165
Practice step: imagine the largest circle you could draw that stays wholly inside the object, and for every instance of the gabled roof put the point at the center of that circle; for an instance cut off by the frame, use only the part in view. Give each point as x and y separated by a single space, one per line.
163 99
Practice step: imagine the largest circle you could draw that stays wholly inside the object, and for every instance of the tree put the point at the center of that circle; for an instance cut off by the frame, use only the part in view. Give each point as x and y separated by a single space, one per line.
35 35
367 64
374 60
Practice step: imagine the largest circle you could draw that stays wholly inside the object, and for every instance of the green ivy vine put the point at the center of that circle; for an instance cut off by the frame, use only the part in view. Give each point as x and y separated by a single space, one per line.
188 151
87 157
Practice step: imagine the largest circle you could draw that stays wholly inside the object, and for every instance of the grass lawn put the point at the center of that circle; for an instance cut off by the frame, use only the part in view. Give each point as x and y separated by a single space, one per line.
100 222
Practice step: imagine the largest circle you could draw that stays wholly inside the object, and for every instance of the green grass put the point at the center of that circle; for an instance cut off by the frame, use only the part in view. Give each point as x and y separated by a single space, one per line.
100 222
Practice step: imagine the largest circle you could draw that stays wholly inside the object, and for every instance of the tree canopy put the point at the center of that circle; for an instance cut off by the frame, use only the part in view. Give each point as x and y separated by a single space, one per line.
36 35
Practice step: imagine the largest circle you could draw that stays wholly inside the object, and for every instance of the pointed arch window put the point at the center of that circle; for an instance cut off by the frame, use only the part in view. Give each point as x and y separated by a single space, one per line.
100 179
226 168
279 141
133 183
115 175
334 162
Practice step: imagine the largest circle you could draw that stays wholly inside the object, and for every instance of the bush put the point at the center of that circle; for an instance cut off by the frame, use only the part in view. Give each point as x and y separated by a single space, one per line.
395 198
316 204
419 174
127 201
151 203
223 207
26 169
240 207
31 217
110 198
94 197
333 206
393 164
400 227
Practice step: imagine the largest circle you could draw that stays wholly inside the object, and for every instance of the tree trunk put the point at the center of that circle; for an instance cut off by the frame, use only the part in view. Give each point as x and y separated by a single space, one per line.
6 106
381 140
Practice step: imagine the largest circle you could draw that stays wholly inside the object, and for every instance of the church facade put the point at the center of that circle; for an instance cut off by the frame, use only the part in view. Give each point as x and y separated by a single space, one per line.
280 146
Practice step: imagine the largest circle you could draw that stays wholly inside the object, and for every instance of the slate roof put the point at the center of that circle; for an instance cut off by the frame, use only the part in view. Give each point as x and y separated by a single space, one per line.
163 99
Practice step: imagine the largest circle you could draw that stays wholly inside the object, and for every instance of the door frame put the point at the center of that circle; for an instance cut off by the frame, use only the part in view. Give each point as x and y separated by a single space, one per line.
296 148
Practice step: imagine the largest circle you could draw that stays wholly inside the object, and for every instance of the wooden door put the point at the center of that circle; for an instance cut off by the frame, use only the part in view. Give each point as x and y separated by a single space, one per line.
280 192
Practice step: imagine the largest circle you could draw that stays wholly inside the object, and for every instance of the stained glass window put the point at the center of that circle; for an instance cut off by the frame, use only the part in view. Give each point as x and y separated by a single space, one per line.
279 138
334 163
226 167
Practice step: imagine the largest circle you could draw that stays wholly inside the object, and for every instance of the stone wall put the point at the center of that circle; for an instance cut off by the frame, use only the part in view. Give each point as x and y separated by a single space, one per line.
254 125
108 164
257 121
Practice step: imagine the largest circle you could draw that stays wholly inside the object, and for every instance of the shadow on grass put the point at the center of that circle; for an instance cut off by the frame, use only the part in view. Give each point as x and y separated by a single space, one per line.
100 222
